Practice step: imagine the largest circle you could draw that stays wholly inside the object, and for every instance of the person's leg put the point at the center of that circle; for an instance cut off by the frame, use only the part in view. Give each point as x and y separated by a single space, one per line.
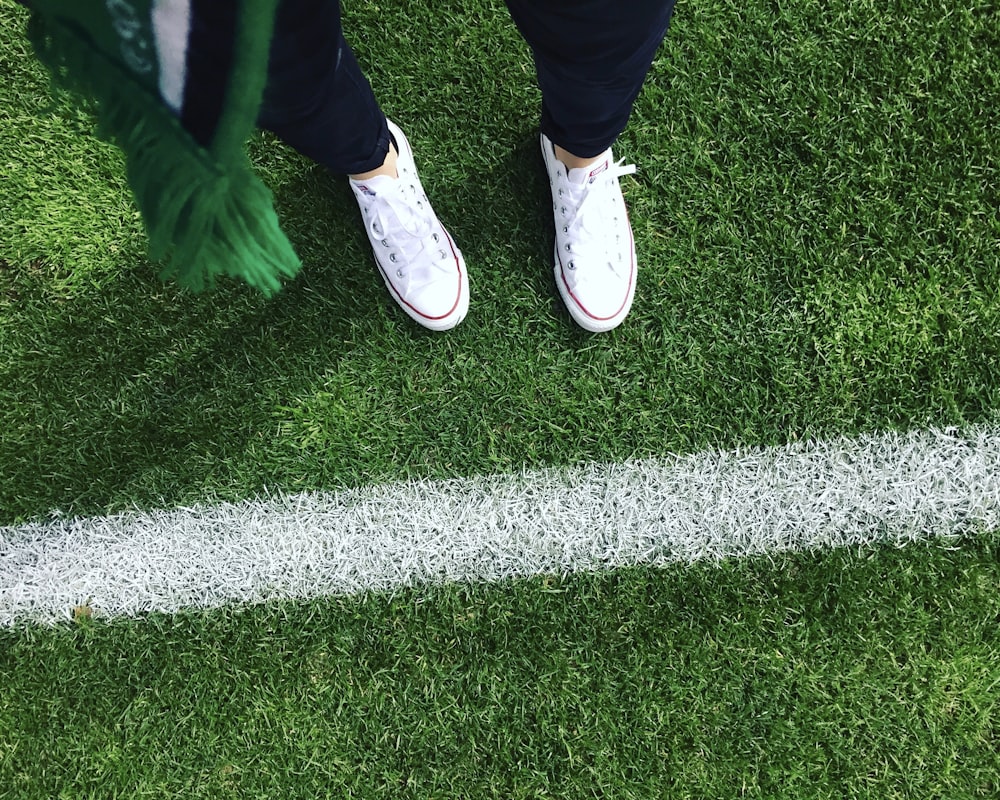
317 98
591 58
318 101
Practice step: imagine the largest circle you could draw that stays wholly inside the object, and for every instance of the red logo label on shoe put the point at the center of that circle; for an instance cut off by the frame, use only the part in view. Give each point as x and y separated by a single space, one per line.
365 190
598 171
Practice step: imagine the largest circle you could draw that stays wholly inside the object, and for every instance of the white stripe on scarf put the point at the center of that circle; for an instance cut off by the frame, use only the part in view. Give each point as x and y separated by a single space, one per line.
172 28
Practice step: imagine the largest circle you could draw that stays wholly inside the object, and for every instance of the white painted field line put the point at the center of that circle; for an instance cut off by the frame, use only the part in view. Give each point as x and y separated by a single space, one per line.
709 505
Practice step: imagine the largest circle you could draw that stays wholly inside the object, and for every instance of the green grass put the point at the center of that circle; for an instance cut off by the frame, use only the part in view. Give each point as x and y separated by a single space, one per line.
813 676
66 216
818 219
816 212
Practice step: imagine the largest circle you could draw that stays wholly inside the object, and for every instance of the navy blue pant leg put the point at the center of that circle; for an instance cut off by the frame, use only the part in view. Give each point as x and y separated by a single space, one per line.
591 58
317 98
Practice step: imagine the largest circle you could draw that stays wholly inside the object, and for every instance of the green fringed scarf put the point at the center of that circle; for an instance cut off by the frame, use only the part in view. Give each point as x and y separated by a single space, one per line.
205 211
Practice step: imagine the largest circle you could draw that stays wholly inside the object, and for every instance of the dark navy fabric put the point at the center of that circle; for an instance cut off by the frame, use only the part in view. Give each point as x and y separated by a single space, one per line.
317 98
210 57
591 58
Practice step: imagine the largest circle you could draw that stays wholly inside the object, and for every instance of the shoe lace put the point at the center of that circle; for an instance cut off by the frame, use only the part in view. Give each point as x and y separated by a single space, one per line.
399 208
589 202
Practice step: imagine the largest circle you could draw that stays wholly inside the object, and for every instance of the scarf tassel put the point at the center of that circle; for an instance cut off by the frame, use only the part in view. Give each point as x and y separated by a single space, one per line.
202 217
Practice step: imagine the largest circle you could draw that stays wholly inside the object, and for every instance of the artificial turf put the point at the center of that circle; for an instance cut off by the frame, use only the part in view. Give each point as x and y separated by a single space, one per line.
872 674
815 212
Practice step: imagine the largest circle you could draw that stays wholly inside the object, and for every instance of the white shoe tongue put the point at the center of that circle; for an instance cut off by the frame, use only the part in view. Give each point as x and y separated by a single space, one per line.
584 174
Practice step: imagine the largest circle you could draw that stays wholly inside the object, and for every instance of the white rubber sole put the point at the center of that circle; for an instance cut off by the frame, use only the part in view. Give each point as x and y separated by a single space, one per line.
582 316
460 308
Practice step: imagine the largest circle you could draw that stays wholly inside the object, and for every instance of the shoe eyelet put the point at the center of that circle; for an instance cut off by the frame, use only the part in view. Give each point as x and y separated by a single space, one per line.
571 265
399 273
569 248
392 258
435 237
385 243
565 229
560 192
442 254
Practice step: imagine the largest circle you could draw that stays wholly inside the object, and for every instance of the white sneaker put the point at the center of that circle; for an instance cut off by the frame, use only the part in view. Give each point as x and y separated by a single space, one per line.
594 251
422 268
